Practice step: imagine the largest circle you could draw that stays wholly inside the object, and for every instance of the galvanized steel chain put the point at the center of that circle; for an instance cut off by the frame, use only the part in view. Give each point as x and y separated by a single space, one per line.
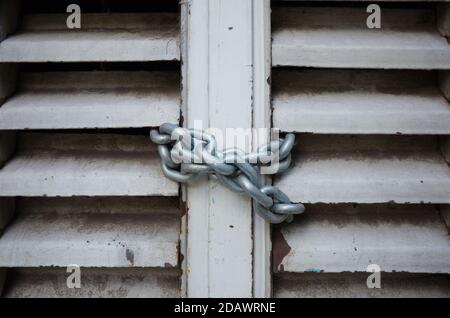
187 153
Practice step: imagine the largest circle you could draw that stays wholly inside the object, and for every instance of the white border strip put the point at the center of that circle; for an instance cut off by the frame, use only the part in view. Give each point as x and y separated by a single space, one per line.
262 64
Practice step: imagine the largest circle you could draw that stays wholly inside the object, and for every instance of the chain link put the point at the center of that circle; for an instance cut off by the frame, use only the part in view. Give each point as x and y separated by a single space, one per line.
188 153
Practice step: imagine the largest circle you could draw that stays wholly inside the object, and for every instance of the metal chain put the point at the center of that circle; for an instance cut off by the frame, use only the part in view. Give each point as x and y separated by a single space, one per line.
187 153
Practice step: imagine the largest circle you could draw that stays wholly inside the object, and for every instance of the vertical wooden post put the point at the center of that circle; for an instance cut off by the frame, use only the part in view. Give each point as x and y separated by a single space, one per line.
185 7
262 65
219 91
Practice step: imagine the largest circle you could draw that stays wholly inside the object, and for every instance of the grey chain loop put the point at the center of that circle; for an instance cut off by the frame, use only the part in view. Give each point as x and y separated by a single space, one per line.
187 153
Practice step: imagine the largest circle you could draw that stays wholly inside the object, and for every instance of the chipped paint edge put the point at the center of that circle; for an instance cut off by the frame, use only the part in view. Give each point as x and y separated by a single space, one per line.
280 249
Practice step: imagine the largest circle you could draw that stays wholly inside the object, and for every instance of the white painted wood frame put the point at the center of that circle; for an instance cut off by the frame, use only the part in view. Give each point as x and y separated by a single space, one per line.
262 65
218 89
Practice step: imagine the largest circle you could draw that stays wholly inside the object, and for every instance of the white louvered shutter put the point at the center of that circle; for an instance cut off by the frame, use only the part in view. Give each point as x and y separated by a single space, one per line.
371 113
79 175
80 181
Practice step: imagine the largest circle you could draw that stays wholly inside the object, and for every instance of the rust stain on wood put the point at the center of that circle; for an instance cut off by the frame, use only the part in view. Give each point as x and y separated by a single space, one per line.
183 208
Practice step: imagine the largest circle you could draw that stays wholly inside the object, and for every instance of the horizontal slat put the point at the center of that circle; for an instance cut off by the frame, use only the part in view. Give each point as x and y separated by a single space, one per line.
84 165
354 285
103 37
92 100
367 169
346 238
359 102
105 232
98 282
338 37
